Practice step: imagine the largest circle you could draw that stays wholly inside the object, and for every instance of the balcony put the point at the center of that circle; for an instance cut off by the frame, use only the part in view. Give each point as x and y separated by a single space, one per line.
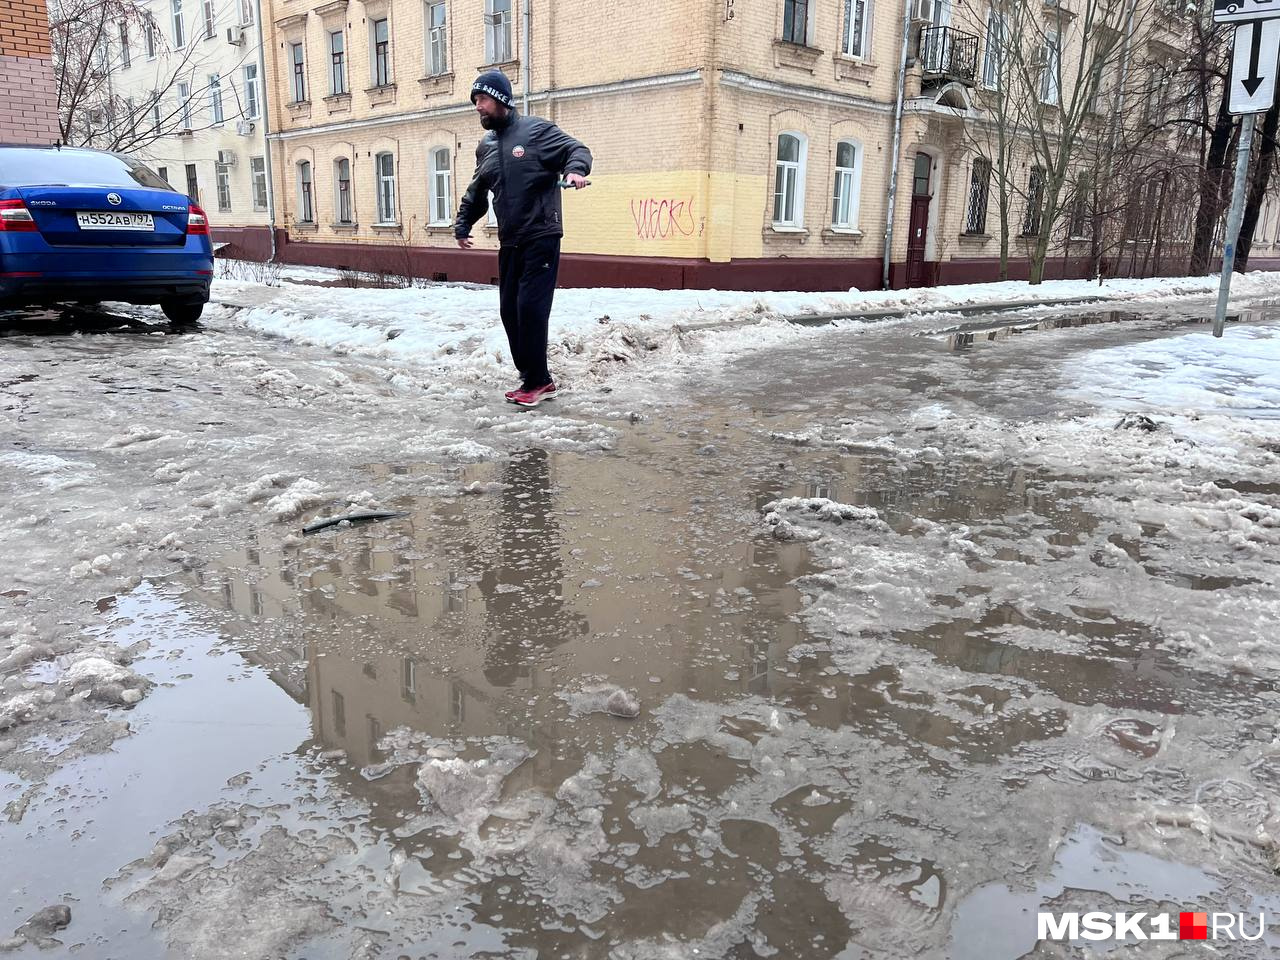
947 56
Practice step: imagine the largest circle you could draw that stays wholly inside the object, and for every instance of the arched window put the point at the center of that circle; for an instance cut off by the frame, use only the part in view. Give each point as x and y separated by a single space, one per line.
441 187
385 167
306 206
788 189
848 185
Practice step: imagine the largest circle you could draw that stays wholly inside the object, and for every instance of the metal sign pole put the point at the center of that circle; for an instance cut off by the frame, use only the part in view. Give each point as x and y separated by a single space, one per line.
1233 219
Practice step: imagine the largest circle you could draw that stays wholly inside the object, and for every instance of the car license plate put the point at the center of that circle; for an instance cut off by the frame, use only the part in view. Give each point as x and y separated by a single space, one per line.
114 220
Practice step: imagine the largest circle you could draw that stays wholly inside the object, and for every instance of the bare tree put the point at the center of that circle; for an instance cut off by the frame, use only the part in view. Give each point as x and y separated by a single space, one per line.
91 40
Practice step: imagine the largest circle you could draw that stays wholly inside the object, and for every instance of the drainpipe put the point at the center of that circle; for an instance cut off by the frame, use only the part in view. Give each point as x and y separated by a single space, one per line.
526 67
897 145
263 99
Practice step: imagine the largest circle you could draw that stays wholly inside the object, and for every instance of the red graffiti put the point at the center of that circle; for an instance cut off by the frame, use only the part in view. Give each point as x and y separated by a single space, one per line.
658 218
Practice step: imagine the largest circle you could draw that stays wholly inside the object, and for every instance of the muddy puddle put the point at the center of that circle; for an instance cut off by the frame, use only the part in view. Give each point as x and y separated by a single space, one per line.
413 737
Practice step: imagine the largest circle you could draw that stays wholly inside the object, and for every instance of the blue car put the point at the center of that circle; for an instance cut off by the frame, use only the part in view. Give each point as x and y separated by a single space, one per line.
81 225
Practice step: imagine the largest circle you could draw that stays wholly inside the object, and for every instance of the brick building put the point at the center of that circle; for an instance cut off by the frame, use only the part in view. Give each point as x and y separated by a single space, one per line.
28 100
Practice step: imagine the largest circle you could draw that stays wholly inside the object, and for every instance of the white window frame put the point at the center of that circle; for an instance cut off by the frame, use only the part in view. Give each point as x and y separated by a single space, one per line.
246 13
210 20
222 179
155 116
252 92
1052 54
258 174
216 113
993 54
337 67
851 178
385 185
149 32
374 79
338 201
298 71
853 43
179 28
306 192
809 16
437 38
441 187
497 32
184 104
797 171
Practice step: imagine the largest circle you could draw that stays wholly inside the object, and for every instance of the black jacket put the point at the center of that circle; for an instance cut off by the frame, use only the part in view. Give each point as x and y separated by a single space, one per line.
521 165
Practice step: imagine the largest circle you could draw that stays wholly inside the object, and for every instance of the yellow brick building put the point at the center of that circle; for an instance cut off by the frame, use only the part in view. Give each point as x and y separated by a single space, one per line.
736 145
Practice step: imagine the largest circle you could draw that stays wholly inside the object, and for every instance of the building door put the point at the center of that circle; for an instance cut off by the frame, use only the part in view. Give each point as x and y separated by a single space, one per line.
919 272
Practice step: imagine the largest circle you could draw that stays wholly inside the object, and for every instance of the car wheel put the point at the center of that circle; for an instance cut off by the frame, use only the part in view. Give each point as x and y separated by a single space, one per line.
182 312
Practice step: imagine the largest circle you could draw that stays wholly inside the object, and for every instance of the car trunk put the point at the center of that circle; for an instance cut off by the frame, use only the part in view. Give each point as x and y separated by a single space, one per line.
107 216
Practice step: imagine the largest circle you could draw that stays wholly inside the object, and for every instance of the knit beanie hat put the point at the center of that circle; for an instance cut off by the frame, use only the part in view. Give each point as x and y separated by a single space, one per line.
495 84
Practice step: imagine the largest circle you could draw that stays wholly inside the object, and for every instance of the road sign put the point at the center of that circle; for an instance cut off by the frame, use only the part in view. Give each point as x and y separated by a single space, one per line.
1236 11
1253 67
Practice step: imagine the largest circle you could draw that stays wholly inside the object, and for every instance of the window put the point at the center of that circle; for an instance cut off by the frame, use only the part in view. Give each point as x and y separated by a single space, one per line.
155 117
1035 203
441 187
795 21
299 73
252 100
164 173
385 166
306 209
339 714
1051 55
380 56
149 33
789 182
223 174
125 59
179 32
408 679
993 59
848 188
497 31
1081 201
193 183
975 220
1153 104
856 17
337 63
342 181
184 104
437 39
246 13
215 98
209 29
258 173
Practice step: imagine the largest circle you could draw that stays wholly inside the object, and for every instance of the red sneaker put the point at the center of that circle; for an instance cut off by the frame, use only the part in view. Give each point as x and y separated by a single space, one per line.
511 394
533 397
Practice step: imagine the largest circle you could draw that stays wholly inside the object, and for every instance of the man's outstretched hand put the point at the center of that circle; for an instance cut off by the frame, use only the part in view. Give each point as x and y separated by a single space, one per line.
466 243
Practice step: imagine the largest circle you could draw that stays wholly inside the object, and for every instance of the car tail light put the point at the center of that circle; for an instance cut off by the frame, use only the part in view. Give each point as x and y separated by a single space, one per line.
15 217
197 222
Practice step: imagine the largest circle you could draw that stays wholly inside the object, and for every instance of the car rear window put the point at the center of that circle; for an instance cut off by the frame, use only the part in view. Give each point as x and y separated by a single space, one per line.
19 168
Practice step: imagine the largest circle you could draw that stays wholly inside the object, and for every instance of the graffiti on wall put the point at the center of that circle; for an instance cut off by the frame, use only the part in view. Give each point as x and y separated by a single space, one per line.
664 218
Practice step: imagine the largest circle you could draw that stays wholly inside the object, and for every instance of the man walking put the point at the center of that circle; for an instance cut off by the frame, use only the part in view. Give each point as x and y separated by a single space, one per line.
520 161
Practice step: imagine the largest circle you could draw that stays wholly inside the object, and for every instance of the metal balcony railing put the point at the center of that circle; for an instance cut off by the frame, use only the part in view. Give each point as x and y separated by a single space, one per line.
947 54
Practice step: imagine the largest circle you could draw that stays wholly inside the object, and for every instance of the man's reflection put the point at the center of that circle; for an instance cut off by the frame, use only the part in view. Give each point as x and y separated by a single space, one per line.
523 589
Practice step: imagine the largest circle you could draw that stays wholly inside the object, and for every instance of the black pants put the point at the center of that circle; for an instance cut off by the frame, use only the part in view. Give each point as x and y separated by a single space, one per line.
526 285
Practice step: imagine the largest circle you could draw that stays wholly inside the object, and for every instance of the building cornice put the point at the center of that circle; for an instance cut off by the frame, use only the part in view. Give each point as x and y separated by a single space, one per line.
745 81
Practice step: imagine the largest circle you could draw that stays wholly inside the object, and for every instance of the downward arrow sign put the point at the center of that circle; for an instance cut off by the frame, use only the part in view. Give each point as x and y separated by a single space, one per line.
1253 81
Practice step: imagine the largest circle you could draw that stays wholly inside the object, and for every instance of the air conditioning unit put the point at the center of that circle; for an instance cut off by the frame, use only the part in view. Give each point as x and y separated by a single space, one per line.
244 127
922 11
227 158
235 35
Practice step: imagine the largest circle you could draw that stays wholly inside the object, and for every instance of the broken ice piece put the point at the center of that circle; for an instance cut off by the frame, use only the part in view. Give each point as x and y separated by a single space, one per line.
622 704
